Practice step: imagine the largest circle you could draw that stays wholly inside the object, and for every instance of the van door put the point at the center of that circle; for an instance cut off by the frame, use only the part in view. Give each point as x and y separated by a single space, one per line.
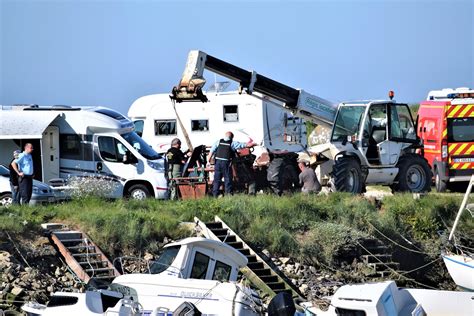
50 153
110 162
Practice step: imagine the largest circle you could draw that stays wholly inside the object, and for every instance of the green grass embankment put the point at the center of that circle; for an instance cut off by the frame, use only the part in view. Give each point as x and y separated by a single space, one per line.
309 228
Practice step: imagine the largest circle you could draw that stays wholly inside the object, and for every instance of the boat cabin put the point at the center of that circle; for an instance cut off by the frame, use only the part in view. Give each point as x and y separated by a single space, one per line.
199 258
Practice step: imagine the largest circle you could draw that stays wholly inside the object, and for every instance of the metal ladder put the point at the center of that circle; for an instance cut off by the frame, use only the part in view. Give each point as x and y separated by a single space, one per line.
258 271
379 259
81 254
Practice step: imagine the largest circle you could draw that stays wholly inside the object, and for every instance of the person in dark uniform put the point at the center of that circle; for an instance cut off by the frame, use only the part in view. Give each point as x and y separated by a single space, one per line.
23 166
223 151
176 159
14 184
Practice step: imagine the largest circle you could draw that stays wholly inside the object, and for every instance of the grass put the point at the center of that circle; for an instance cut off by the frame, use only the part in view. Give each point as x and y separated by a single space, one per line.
316 227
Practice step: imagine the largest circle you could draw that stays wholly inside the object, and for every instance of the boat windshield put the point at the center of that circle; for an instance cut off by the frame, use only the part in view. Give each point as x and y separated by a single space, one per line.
165 260
141 146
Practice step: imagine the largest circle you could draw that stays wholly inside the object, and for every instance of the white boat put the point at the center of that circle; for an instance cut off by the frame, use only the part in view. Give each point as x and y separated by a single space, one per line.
461 269
460 264
194 273
386 299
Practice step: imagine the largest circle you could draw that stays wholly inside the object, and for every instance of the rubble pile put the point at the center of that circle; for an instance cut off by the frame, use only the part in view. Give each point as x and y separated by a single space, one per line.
20 283
316 283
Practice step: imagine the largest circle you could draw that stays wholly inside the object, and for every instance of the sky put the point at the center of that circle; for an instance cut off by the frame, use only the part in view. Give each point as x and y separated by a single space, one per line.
112 52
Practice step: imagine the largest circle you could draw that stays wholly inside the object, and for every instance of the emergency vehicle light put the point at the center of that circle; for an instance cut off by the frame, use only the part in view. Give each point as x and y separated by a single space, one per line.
391 94
460 95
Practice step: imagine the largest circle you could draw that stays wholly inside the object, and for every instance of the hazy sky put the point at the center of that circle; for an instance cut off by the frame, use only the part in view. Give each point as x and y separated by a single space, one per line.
112 52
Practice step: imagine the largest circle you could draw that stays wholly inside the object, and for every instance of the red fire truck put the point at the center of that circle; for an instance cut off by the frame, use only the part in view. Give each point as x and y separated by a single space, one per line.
446 126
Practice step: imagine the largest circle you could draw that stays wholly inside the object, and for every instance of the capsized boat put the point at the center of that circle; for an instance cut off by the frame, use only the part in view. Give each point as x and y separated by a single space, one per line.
386 299
460 264
192 274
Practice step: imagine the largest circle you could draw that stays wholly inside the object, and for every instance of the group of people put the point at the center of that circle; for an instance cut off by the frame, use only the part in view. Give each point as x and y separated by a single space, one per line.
222 153
21 175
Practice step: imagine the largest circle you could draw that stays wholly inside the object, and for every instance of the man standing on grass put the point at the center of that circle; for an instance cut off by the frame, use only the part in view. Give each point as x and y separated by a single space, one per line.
14 179
223 151
308 180
23 166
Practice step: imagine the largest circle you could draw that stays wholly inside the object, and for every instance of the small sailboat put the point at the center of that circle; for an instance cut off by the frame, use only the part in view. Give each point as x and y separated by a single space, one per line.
460 264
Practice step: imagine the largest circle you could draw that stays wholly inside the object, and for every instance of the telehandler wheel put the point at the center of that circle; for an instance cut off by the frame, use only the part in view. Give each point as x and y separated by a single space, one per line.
441 186
414 175
347 176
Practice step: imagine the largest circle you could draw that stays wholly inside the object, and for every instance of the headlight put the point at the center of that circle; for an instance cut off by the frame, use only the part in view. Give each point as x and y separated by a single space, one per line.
36 190
156 165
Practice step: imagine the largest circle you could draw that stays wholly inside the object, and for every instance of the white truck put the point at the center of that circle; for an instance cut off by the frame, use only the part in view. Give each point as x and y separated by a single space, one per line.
92 142
371 142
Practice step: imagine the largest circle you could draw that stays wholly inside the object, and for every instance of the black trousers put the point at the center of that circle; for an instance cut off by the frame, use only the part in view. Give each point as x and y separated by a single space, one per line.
222 168
26 189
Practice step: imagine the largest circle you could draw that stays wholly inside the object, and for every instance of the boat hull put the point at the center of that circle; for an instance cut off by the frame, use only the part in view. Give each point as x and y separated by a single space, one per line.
461 269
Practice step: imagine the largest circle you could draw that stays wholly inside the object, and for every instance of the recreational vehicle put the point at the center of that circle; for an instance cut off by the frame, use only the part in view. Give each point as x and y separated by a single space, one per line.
83 142
249 117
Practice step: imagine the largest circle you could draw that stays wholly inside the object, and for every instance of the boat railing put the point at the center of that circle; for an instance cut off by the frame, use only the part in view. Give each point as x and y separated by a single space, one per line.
126 265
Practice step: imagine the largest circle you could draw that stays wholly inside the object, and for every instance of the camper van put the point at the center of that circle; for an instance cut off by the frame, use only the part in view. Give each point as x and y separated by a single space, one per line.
92 142
249 117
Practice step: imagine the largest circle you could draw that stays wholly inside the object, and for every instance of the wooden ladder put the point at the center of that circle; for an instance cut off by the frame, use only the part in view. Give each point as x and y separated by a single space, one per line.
81 254
258 271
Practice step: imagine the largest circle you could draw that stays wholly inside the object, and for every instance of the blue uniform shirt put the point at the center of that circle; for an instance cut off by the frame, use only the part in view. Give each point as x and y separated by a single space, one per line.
25 163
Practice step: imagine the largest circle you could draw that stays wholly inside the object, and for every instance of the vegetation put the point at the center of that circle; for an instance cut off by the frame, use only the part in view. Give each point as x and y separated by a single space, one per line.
312 228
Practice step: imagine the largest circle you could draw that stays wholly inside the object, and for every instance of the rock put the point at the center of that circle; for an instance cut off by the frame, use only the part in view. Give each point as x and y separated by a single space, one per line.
50 289
266 252
289 268
57 272
303 288
313 269
297 266
148 256
284 260
17 291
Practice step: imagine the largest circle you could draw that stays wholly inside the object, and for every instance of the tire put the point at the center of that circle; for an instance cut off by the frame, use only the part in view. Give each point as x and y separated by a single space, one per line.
138 192
441 186
347 176
6 200
414 175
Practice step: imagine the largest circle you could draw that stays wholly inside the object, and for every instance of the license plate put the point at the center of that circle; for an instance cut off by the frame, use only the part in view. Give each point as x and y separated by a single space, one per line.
463 159
50 199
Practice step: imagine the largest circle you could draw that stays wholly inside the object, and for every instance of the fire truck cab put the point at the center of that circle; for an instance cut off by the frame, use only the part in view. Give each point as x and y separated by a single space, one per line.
446 126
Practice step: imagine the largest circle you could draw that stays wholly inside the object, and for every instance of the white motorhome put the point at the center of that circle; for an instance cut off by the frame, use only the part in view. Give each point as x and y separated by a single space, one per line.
84 142
249 117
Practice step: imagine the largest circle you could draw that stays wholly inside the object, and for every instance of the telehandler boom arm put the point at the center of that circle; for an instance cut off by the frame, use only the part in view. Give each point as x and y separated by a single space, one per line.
299 102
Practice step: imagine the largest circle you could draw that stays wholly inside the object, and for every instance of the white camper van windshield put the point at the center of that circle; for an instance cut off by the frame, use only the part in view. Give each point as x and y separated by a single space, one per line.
141 146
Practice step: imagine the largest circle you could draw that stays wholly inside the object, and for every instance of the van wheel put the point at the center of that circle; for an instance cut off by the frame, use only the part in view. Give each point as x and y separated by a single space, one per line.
138 192
414 174
347 176
6 200
441 185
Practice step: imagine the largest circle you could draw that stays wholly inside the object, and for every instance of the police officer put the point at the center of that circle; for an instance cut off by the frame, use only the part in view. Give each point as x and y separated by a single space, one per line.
23 166
176 159
223 151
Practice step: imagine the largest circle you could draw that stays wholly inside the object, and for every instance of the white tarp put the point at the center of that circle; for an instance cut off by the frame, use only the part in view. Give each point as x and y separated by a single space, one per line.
16 124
